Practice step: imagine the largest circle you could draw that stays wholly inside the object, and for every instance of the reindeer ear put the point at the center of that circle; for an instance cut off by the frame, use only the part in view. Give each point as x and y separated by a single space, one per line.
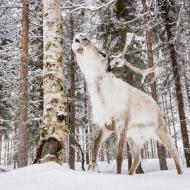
117 62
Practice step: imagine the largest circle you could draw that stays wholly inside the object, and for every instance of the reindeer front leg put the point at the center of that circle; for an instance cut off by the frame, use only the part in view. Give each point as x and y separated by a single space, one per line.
121 146
102 135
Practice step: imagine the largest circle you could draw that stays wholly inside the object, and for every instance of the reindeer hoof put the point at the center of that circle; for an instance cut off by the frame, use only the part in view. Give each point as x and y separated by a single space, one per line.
130 173
180 172
93 166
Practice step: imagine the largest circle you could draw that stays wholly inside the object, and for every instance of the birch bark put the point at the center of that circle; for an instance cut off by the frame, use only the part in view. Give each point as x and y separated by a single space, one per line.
54 129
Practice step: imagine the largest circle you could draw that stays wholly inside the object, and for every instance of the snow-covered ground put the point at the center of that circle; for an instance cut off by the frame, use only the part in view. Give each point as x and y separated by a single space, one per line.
51 176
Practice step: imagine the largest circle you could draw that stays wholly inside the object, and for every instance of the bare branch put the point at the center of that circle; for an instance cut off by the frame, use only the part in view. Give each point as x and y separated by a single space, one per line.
89 8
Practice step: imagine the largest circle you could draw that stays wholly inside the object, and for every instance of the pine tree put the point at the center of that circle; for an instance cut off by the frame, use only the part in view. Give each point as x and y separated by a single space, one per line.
166 16
23 112
148 36
72 105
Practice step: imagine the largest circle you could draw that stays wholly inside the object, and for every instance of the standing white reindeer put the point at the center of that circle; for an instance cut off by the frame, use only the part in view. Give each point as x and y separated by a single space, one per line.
119 107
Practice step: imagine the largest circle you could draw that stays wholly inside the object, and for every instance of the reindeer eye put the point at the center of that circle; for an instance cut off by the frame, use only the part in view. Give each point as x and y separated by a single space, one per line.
103 54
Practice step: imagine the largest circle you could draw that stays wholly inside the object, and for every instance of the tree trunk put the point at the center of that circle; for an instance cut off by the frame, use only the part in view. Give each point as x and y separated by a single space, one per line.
53 125
87 144
1 139
187 82
173 118
23 114
72 105
129 157
8 153
180 101
152 149
160 148
139 170
87 130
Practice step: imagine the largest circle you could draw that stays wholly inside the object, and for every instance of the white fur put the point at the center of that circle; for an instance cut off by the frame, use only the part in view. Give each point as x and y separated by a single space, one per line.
112 98
141 135
112 95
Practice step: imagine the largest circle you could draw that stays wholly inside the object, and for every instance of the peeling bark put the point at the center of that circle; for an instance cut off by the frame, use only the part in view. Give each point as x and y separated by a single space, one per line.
54 108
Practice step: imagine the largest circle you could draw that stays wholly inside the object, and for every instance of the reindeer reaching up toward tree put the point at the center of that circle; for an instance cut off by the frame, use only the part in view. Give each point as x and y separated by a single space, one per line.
119 107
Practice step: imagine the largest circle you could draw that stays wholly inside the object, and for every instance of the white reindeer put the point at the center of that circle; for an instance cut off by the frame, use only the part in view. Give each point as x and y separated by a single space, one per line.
119 107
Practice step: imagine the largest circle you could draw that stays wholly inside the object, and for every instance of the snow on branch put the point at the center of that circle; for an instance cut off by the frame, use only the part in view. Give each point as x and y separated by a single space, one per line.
77 7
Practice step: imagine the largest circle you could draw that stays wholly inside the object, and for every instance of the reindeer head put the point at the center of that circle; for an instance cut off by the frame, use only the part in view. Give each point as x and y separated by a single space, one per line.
94 61
88 55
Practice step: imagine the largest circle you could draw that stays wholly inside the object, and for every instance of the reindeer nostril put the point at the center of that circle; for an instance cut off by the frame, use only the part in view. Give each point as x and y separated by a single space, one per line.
76 40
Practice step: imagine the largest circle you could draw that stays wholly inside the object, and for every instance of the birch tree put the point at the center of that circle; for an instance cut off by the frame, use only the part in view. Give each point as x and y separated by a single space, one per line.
54 107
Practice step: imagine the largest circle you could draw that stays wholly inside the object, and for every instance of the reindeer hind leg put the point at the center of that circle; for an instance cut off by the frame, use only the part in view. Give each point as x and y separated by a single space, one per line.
166 140
135 151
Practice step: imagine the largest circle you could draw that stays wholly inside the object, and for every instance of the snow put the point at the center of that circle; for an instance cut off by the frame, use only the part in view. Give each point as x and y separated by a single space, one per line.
51 176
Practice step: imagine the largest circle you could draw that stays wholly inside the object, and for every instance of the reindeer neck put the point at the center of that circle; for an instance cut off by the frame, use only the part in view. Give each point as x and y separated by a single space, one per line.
93 72
96 85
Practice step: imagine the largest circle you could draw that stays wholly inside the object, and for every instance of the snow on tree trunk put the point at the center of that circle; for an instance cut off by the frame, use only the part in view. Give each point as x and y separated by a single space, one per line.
23 113
72 122
160 148
54 108
1 141
87 127
178 86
